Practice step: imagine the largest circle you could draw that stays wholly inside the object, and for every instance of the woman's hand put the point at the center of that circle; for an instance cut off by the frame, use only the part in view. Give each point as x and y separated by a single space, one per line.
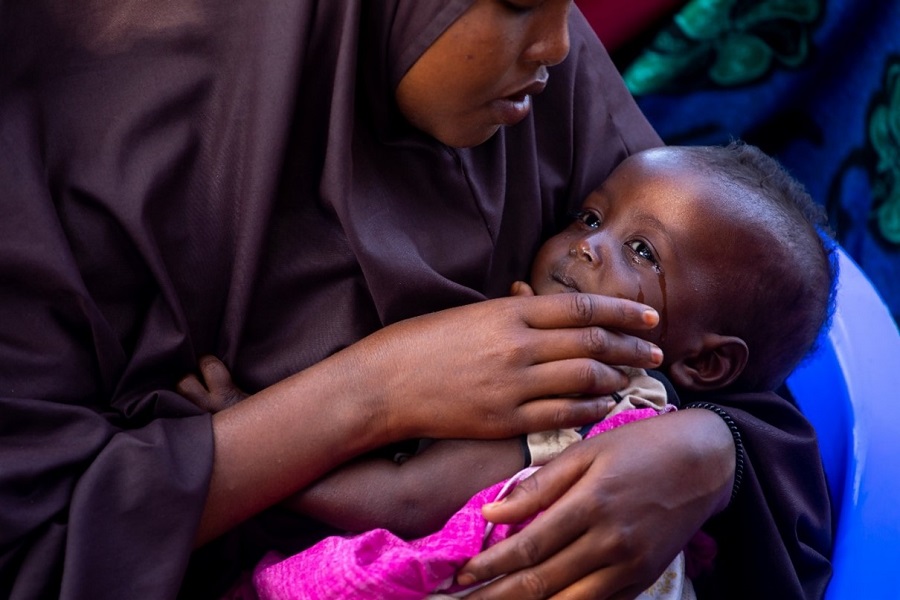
492 369
501 367
621 506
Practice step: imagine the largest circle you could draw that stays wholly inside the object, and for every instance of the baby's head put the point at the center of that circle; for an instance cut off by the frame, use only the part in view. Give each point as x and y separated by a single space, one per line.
723 243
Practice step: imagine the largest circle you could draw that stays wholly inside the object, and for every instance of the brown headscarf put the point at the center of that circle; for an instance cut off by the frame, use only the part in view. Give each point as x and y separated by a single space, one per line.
198 176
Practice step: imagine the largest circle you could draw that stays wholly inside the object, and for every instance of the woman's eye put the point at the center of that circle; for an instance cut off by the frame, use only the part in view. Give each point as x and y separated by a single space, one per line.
642 250
587 217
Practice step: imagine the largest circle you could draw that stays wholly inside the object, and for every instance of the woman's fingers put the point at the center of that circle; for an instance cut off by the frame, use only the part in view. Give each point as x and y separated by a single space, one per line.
569 574
581 376
520 288
559 554
191 388
596 585
547 534
548 578
216 392
560 413
609 347
583 310
218 380
582 325
500 367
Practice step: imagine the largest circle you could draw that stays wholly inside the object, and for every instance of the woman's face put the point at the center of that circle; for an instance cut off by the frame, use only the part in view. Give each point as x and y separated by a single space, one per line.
481 72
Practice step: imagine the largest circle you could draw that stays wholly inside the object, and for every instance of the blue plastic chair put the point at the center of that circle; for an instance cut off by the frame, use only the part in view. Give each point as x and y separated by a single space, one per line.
849 391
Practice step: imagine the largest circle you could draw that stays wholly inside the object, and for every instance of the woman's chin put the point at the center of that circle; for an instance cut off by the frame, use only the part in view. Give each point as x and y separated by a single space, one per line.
467 137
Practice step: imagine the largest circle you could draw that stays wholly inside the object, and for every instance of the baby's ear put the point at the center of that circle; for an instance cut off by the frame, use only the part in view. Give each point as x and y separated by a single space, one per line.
720 360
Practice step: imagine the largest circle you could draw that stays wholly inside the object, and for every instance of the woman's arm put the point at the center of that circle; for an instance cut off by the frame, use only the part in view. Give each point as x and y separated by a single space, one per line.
502 373
411 498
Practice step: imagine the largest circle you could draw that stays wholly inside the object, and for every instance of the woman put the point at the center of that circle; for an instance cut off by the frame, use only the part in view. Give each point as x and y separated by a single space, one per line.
285 185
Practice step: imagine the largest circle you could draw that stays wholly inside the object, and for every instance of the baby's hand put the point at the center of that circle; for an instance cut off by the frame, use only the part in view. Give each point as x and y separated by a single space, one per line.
216 392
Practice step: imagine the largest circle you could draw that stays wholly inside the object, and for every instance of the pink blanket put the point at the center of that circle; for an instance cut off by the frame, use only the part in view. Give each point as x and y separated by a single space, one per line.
379 565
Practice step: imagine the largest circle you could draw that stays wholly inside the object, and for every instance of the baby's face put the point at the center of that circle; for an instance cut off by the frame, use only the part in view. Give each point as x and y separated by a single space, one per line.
659 231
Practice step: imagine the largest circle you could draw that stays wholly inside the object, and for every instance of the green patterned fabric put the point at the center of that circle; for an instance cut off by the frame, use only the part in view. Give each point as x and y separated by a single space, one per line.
814 82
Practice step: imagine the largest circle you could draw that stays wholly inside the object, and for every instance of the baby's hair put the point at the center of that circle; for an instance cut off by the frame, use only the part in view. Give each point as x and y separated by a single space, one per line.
786 299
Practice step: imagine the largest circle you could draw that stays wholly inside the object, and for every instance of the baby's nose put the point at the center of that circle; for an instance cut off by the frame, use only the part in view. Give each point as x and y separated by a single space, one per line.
584 250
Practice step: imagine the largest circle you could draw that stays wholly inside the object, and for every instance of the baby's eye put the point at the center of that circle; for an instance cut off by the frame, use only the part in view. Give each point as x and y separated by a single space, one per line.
642 250
591 219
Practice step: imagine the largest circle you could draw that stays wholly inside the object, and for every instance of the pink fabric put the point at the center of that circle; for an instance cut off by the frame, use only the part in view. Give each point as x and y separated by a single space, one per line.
379 565
616 23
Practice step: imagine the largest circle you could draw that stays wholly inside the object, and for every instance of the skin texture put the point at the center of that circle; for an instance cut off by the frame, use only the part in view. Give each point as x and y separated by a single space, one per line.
464 87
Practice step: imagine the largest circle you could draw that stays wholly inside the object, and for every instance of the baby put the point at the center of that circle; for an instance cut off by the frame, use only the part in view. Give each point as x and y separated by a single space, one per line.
721 241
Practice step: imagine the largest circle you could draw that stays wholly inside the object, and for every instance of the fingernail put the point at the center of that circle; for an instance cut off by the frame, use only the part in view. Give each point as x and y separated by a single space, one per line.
650 316
466 579
656 354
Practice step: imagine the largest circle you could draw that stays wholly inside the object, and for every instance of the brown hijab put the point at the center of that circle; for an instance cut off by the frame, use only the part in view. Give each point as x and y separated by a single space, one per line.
189 177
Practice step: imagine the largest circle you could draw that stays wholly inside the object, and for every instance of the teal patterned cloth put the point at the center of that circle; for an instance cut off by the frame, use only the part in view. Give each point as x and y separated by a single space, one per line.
816 83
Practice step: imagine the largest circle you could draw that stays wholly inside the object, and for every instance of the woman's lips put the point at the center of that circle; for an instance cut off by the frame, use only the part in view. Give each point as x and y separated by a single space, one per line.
512 109
534 88
515 107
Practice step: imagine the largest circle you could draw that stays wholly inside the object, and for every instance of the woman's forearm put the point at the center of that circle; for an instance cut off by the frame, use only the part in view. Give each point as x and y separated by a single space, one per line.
283 438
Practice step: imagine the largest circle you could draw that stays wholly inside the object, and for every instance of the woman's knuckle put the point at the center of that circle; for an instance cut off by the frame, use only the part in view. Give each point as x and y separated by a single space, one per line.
533 584
528 550
562 416
596 340
582 308
624 312
641 347
511 351
624 544
589 374
530 486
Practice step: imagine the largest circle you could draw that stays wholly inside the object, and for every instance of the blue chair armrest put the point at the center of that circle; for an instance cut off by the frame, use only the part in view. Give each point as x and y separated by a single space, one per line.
849 391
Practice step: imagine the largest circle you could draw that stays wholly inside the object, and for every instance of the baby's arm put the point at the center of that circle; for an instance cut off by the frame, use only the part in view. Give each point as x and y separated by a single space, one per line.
410 499
413 498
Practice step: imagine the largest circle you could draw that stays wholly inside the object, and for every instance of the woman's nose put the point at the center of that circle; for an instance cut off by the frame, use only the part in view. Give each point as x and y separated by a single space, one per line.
583 250
551 35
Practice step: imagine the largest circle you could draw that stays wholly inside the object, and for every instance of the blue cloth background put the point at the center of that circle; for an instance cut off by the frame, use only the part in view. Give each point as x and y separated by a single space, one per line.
815 83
